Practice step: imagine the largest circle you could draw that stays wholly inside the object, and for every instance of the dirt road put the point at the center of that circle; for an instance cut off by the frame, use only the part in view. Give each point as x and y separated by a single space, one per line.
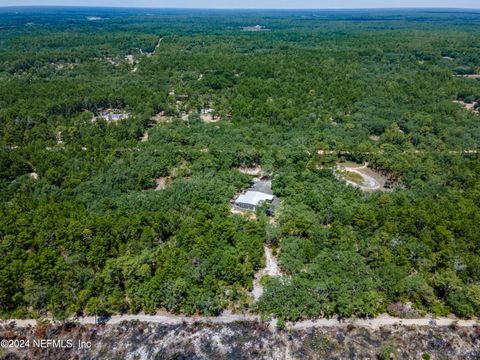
226 318
271 269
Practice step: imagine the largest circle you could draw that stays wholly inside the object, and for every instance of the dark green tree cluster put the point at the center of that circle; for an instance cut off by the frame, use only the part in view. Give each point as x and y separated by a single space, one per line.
83 230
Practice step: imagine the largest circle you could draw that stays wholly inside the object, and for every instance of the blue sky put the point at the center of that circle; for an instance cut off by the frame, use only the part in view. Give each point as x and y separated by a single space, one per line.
254 3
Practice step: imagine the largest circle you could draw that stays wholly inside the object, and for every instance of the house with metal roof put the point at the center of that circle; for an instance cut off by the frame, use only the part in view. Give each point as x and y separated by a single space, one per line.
252 200
113 115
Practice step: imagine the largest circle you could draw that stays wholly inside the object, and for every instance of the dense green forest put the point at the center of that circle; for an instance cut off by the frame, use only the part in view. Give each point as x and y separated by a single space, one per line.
82 230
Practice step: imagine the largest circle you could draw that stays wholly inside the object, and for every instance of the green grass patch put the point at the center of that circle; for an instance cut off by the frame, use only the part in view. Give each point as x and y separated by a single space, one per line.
352 176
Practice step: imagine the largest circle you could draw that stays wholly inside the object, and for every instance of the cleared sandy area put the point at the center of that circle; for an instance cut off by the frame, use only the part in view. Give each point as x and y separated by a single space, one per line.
58 137
271 269
371 180
250 170
209 118
471 76
161 183
468 106
161 117
130 59
144 138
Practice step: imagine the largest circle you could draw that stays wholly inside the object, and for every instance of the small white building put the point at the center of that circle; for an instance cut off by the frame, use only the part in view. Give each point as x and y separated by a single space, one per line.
252 200
113 116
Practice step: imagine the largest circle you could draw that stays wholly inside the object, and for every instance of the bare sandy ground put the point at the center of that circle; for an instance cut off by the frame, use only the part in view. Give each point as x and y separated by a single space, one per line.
371 179
144 137
250 170
130 59
158 43
384 320
161 118
468 106
209 118
161 183
148 54
271 269
471 76
227 317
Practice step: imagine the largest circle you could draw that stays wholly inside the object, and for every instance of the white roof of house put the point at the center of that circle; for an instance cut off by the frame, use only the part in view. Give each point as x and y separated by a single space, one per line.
253 198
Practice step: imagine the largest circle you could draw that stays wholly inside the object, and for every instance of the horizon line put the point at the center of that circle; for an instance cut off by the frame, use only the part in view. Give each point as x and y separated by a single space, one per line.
232 8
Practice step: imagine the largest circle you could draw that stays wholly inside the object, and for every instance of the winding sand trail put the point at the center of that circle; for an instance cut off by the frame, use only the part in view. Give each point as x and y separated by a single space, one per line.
369 183
158 43
271 269
135 62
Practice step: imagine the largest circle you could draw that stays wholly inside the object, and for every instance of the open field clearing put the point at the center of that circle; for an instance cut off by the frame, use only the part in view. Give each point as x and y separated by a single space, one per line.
361 176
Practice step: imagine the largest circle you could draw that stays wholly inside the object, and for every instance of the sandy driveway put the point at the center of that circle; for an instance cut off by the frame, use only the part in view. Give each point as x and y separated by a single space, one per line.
271 269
